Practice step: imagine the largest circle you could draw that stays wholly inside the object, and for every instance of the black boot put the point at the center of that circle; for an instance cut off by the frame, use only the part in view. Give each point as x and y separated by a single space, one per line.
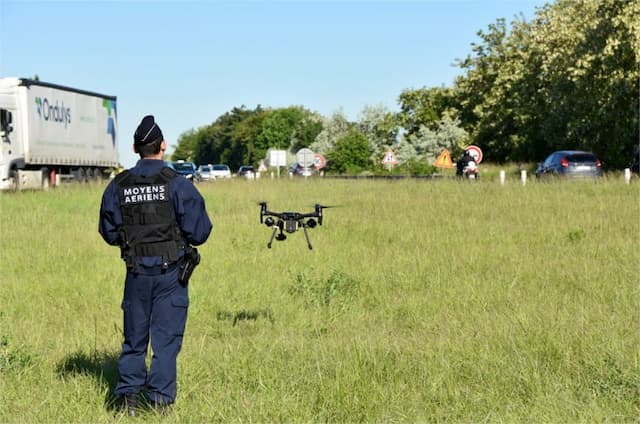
132 403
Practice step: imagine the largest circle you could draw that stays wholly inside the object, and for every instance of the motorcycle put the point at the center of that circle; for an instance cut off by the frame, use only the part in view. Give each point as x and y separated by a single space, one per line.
470 170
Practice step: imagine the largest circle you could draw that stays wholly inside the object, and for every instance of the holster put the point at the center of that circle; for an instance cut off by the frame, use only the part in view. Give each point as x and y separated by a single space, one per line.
189 263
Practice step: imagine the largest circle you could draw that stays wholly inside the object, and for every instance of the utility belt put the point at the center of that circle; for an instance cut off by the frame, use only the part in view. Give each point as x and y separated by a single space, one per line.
167 250
188 264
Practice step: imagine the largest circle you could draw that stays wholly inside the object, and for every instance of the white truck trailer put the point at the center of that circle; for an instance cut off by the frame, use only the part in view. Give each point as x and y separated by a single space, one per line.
50 132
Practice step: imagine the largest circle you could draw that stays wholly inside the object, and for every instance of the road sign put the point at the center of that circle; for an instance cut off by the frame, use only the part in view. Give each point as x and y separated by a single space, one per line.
444 160
475 152
319 161
390 158
277 158
305 157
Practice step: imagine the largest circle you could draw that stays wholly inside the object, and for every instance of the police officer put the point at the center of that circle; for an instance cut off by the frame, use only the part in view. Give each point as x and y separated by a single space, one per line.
154 215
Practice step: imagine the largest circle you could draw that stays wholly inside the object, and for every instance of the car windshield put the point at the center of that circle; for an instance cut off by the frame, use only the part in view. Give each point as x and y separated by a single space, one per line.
205 169
220 167
183 166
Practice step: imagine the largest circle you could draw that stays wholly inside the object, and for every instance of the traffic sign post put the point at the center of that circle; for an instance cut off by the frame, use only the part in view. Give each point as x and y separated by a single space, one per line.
390 159
475 152
278 158
444 160
319 161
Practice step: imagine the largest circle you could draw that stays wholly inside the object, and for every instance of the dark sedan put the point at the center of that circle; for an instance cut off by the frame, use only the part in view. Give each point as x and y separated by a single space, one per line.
186 169
570 164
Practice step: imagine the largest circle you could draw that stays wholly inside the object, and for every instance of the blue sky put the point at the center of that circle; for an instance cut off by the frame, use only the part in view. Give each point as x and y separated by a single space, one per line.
188 62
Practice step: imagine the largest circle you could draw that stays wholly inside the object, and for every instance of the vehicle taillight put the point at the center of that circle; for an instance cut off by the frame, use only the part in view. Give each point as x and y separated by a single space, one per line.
598 163
564 162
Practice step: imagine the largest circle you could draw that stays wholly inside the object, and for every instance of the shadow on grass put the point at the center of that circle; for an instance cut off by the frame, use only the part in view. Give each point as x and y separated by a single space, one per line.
102 366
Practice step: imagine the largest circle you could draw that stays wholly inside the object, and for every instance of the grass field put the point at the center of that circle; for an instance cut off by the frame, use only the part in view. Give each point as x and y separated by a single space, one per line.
422 301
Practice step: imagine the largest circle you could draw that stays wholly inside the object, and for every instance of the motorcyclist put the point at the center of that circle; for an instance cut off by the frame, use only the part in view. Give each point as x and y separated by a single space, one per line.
463 161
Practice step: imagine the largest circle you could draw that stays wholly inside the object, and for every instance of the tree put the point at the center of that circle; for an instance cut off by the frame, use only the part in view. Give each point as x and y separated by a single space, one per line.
351 153
423 106
244 136
186 147
380 127
485 109
568 79
588 72
216 143
306 131
333 129
429 144
290 128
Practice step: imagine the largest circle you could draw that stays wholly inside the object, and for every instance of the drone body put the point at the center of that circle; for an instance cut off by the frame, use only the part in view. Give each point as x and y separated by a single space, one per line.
290 222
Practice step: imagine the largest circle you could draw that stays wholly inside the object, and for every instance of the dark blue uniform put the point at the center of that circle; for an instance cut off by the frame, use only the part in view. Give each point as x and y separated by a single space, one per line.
154 303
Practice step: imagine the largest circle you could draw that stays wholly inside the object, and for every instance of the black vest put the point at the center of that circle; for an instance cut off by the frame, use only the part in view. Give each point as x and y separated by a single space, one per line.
149 226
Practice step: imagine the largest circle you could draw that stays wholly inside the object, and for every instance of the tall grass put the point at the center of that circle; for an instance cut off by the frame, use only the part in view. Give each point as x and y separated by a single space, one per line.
421 301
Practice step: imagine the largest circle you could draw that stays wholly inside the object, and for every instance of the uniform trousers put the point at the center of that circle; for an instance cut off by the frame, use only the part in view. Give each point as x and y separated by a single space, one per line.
155 307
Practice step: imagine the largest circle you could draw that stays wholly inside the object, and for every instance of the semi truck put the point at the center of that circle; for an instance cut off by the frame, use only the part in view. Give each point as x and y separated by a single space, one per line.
50 133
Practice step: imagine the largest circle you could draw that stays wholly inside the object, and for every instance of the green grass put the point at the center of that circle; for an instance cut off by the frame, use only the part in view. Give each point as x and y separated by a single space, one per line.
421 301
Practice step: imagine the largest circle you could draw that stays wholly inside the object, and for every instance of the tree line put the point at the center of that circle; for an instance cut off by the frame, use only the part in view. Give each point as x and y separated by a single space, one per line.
567 79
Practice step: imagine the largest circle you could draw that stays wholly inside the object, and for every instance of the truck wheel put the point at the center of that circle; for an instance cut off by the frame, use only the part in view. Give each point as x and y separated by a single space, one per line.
13 180
46 179
82 175
95 175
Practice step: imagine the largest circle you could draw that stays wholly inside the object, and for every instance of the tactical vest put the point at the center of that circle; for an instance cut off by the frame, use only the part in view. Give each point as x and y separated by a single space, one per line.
149 226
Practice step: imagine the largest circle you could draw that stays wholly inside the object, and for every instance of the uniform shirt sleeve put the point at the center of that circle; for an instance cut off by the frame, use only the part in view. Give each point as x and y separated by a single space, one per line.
191 212
110 215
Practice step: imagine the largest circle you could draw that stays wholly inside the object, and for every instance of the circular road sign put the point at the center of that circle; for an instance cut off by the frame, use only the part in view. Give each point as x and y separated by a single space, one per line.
305 157
475 152
319 161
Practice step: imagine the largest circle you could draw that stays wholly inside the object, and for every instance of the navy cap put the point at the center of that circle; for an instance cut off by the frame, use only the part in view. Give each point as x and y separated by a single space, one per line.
147 132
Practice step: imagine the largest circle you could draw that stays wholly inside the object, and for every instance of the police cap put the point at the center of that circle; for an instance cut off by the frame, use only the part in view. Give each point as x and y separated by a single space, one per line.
147 132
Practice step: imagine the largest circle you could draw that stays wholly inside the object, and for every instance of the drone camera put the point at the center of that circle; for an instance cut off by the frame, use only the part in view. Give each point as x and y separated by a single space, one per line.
269 222
311 223
291 225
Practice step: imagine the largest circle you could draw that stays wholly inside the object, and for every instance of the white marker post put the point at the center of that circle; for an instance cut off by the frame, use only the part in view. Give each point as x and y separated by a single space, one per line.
627 175
523 177
502 177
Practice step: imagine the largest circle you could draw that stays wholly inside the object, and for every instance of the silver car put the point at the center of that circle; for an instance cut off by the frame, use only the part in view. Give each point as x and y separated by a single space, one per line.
220 171
205 172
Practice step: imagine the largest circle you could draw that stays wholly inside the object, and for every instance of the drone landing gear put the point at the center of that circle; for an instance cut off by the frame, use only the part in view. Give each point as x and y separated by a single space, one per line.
306 235
281 236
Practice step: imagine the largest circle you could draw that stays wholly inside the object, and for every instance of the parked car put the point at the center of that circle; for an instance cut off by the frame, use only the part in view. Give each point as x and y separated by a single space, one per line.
297 170
220 171
570 164
186 169
205 172
246 171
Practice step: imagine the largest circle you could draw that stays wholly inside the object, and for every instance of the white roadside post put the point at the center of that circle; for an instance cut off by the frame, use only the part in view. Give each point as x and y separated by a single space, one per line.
523 177
502 177
627 175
